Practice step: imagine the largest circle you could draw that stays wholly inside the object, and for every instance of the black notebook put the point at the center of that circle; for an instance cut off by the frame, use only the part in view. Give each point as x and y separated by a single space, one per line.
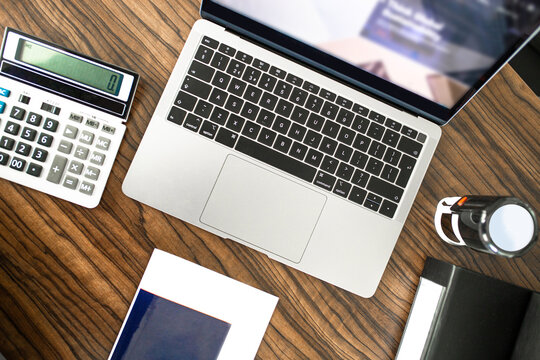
461 314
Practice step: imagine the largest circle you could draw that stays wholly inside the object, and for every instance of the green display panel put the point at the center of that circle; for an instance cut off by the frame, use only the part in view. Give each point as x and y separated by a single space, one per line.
70 67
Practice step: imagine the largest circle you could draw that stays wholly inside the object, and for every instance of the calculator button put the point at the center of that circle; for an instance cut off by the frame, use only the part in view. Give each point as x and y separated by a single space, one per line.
4 92
4 158
108 129
87 188
34 119
34 169
71 132
29 134
7 143
57 169
2 107
75 167
71 182
65 147
12 128
97 158
17 113
17 164
50 125
87 138
45 140
92 123
91 173
75 117
103 143
81 152
40 155
23 149
24 99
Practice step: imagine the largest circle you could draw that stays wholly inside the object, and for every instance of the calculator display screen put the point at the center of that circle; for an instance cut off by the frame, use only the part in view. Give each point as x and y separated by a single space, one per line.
70 67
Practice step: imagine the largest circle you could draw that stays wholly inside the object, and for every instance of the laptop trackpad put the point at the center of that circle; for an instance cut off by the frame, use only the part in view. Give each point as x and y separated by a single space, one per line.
263 208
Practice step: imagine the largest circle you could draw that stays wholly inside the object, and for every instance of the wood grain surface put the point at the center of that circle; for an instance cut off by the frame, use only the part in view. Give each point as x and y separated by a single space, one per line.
68 274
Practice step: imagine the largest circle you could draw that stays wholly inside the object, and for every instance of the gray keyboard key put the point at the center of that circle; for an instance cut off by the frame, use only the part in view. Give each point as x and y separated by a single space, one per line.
75 117
87 188
57 169
87 138
97 158
91 173
65 147
71 132
71 182
75 167
103 143
81 152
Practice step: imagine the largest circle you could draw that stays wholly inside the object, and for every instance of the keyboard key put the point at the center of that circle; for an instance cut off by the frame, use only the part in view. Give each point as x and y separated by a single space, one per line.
346 136
17 113
385 189
283 89
17 164
253 94
40 155
234 104
375 116
196 87
329 164
4 158
50 125
297 132
219 116
236 68
81 152
373 202
65 146
235 123
12 128
267 82
389 173
243 57
268 101
407 131
298 150
226 137
360 110
218 97
358 195
208 129
204 54
329 110
392 124
392 156
409 146
34 119
57 169
388 208
34 170
330 129
313 139
23 149
277 72
375 131
276 159
377 149
325 180
284 108
328 95
45 139
193 122
71 132
314 157
76 117
210 42
251 130
361 142
7 143
314 103
342 188
360 124
71 182
299 115
97 158
298 96
374 166
267 137
201 71
390 137
29 134
237 87
266 118
359 159
227 49
422 138
281 125
252 75
75 167
221 80
5 92
344 152
406 166
87 188
328 146
312 88
250 111
360 178
203 109
345 117
345 171
315 122
220 61
295 80
261 65
283 144
2 107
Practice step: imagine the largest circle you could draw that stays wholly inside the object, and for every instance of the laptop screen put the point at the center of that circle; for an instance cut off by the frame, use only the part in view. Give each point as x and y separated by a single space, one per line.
438 50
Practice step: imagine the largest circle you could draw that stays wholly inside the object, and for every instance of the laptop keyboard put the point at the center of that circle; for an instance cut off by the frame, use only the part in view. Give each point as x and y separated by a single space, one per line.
296 126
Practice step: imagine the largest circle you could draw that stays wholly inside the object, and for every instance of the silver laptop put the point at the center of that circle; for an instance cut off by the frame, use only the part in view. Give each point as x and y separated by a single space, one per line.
303 129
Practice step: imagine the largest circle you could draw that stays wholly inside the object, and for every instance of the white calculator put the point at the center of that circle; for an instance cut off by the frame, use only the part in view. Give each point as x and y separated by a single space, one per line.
62 117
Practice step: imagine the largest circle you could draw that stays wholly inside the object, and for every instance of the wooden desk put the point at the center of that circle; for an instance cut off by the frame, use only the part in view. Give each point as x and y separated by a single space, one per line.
68 274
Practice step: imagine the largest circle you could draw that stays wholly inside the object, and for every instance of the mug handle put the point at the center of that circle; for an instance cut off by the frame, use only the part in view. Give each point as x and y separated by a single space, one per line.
444 208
